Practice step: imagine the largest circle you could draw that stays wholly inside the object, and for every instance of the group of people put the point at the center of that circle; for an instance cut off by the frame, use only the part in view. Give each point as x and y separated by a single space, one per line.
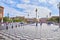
12 25
19 24
48 23
40 23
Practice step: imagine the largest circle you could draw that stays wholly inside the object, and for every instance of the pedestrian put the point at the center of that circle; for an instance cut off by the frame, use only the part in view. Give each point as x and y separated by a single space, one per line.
41 23
6 26
19 25
12 26
36 24
16 25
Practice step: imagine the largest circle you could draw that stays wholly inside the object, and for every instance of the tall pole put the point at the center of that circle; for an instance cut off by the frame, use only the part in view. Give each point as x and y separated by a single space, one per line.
36 17
50 15
28 15
8 15
46 16
59 14
2 21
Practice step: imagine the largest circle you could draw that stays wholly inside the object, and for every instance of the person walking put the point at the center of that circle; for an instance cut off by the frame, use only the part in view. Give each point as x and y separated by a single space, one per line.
6 26
40 22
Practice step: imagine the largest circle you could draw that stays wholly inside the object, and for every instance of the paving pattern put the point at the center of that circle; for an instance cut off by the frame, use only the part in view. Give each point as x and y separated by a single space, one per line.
31 32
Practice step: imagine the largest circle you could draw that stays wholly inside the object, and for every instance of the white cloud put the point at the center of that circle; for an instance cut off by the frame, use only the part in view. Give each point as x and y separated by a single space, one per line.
56 14
52 1
26 1
13 12
49 1
26 6
42 0
42 11
8 1
11 2
21 6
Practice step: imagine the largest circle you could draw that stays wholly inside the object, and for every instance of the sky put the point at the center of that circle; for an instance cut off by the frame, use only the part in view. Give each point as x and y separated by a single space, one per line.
25 7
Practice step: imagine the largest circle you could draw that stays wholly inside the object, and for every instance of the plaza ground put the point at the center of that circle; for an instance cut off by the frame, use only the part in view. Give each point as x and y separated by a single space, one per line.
31 32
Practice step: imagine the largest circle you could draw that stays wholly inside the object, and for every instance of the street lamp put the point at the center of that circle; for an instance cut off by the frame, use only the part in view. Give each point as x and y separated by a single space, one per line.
8 15
59 13
7 23
36 17
46 16
50 15
28 15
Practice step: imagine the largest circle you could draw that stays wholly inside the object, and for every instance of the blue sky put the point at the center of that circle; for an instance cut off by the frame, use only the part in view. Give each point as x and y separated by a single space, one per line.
25 7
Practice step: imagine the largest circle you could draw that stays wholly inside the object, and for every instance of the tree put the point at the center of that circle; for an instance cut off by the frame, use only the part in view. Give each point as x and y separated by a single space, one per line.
54 19
6 19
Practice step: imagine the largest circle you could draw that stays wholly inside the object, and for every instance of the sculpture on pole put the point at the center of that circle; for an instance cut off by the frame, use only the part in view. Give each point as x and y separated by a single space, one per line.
36 17
59 13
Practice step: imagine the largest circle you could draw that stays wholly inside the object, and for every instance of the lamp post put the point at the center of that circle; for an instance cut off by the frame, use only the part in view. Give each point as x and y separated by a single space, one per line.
8 15
46 16
28 15
49 15
59 13
36 17
7 23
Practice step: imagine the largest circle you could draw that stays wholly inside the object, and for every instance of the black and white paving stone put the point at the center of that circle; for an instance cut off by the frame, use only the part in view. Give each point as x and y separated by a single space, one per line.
31 32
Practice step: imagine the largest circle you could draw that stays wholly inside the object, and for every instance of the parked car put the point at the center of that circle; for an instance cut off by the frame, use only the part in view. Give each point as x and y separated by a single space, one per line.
49 23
